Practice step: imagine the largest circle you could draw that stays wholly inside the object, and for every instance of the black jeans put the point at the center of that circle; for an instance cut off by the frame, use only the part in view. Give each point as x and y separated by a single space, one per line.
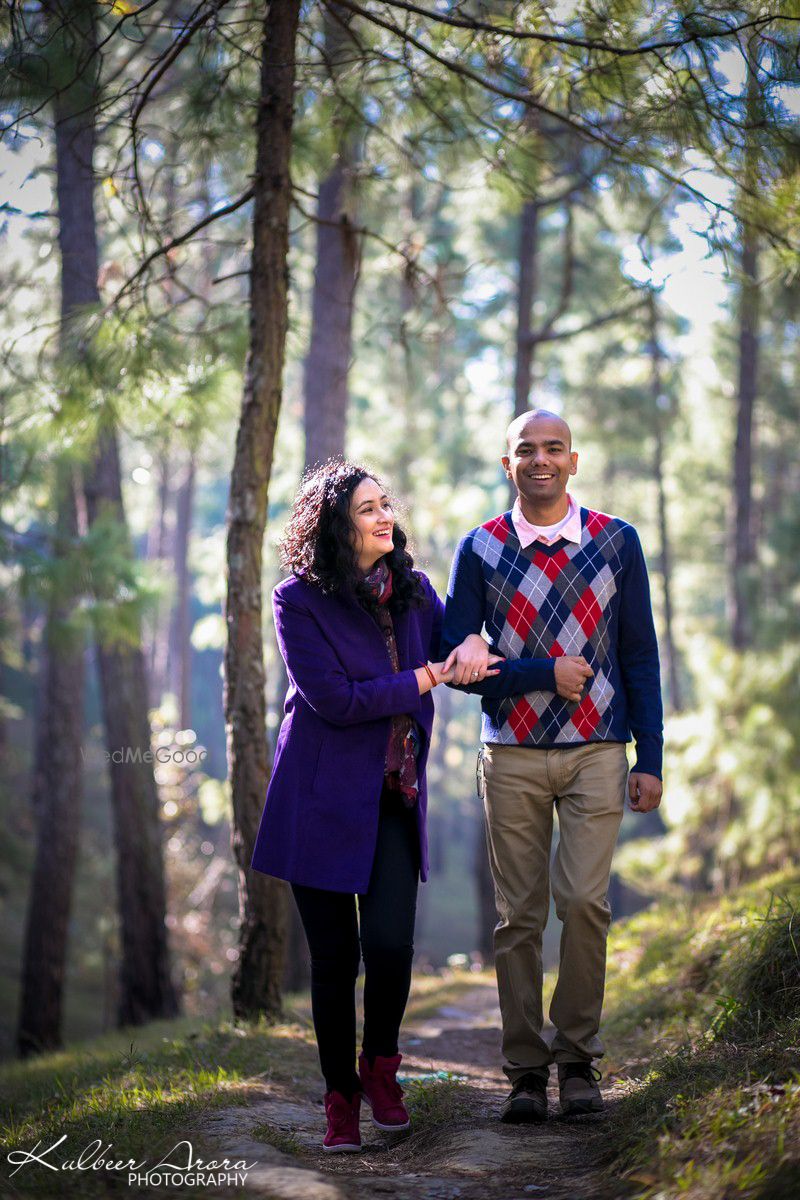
383 932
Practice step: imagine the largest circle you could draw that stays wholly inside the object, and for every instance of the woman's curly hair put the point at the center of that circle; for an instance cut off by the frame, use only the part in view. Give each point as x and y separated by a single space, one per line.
317 543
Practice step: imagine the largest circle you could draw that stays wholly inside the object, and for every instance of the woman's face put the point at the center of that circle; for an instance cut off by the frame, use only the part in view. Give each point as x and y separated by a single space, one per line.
373 522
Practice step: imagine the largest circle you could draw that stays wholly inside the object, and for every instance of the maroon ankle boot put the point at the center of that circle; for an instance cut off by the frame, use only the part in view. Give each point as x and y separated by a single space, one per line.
383 1093
343 1132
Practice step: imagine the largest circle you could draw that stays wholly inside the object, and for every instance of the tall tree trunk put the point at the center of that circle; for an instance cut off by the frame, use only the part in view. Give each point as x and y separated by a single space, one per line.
665 558
407 406
180 648
256 984
527 287
327 365
146 990
56 802
158 544
57 771
742 550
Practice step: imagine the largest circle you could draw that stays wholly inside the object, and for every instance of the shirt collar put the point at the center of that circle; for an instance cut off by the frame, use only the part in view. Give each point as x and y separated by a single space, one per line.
527 533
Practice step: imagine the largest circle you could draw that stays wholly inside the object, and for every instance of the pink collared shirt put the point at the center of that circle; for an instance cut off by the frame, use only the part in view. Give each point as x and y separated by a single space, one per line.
569 528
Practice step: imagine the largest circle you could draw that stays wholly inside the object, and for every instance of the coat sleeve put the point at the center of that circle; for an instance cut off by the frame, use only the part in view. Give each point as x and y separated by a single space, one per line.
322 681
437 617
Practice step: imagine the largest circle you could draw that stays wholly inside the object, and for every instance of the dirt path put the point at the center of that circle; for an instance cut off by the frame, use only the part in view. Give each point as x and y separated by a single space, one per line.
476 1158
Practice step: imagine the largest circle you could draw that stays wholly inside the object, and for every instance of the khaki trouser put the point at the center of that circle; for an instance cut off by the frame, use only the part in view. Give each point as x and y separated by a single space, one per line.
586 785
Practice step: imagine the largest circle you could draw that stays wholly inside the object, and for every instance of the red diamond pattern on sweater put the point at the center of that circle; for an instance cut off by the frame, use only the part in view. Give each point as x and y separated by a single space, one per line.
498 528
596 521
521 615
522 719
551 564
588 612
586 718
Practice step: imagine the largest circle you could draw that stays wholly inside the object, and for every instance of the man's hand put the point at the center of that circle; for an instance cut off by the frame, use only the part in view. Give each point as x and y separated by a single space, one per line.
470 660
644 792
572 671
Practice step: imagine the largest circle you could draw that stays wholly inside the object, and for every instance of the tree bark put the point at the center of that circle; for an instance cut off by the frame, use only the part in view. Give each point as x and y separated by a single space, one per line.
665 559
158 547
57 771
256 984
742 550
146 990
527 287
742 541
407 408
56 802
325 391
180 647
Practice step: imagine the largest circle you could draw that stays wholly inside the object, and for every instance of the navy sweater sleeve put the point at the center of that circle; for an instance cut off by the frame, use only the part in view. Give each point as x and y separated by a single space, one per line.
465 612
638 659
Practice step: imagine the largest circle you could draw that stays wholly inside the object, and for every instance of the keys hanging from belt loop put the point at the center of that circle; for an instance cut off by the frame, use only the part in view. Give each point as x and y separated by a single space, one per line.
480 778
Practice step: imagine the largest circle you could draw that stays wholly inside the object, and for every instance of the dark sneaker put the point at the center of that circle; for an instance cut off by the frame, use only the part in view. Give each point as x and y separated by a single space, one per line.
578 1090
527 1102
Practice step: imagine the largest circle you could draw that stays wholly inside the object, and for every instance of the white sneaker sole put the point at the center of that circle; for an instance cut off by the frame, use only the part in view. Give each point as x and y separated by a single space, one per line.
344 1149
391 1128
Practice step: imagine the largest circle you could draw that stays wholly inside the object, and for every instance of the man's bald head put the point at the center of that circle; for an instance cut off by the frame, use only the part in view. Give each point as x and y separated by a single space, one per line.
520 423
539 461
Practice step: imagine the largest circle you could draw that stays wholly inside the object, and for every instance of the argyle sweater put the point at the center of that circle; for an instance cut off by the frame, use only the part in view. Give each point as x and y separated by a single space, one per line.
542 601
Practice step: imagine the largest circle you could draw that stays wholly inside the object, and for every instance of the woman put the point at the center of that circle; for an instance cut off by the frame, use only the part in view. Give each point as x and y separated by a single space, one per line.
345 810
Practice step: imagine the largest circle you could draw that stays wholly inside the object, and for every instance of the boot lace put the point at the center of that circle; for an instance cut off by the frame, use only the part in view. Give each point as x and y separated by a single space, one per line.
583 1071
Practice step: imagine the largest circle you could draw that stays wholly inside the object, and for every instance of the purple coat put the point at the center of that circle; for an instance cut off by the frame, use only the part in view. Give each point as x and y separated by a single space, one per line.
319 826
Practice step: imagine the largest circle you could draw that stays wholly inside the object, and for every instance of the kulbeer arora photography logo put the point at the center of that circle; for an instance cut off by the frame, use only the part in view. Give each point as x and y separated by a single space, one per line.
179 1167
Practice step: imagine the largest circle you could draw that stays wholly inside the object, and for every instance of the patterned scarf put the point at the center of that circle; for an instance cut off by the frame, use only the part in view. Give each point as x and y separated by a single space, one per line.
404 741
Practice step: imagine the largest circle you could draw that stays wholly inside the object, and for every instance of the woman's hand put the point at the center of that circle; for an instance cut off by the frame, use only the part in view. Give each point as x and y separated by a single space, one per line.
440 673
470 661
429 676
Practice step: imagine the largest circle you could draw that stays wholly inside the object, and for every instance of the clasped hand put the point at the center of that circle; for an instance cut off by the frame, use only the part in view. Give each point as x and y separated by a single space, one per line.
472 661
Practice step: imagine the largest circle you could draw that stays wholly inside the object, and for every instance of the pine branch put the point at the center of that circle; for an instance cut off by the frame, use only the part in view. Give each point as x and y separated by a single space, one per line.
560 39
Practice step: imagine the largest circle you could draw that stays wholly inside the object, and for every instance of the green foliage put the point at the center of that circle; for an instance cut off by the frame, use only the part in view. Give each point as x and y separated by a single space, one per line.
436 1102
711 988
140 1094
733 774
765 988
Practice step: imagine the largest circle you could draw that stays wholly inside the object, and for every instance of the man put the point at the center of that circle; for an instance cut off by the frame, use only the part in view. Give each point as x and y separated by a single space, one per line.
563 594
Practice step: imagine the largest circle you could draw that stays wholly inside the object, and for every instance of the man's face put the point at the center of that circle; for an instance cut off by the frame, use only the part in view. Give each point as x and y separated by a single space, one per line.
539 460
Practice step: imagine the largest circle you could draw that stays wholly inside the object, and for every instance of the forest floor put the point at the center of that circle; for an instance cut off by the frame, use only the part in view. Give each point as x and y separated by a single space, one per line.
701 1078
461 1151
